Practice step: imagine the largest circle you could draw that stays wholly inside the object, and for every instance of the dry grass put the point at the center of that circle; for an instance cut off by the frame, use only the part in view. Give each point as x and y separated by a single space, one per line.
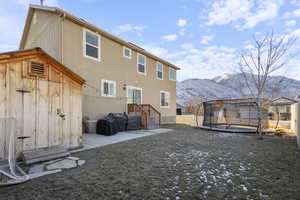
184 164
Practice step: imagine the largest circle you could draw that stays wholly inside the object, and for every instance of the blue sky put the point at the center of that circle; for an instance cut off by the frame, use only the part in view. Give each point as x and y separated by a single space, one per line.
203 37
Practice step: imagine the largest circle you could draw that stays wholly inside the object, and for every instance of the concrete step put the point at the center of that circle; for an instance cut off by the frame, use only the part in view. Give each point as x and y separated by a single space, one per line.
44 154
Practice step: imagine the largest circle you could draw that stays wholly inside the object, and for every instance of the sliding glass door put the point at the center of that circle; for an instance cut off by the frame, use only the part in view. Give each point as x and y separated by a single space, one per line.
134 95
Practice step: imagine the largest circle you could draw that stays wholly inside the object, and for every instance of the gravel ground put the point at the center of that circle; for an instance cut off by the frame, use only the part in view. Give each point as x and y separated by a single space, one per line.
186 163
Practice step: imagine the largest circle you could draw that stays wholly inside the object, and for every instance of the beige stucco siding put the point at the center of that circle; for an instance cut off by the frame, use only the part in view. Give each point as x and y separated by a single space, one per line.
45 32
113 66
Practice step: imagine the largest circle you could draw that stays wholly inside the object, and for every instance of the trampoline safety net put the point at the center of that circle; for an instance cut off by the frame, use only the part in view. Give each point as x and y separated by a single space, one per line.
233 112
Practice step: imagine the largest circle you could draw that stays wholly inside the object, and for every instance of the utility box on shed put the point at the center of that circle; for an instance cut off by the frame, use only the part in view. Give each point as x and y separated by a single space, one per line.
45 99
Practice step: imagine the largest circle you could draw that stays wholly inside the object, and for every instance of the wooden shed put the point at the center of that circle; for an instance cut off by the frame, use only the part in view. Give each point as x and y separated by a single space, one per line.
44 97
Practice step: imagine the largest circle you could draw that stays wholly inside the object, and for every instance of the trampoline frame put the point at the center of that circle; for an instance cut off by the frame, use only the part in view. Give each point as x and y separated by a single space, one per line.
210 120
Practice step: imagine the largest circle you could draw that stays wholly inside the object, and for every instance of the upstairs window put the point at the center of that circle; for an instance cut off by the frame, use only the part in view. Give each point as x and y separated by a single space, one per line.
91 45
108 88
127 52
141 64
172 74
159 71
164 99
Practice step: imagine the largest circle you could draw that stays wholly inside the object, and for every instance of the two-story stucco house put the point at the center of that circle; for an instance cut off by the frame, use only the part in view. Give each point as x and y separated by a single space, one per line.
117 72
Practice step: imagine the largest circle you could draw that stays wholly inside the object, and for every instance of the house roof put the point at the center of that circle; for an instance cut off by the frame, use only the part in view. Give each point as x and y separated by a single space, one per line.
7 56
286 101
241 100
86 24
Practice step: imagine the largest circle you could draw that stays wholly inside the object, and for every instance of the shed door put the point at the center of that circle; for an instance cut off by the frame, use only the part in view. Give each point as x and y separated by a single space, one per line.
36 113
29 113
42 105
55 106
35 102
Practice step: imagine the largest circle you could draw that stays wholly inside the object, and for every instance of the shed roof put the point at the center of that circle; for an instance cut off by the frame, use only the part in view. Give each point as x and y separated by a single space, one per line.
86 24
7 56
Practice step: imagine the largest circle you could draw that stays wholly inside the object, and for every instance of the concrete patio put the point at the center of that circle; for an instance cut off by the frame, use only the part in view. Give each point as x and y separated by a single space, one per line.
93 140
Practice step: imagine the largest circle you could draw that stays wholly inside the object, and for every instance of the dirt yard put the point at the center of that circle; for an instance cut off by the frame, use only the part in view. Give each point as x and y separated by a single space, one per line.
184 164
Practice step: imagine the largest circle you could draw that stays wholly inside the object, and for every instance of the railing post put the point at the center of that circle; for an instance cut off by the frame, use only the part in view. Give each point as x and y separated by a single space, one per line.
159 115
146 122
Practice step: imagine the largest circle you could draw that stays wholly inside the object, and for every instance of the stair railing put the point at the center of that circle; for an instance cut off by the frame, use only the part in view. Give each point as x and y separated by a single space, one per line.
150 116
137 109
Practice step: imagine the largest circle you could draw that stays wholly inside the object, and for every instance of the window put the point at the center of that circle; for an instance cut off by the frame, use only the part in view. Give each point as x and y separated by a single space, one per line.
134 95
164 99
172 74
141 64
127 52
159 71
91 42
108 88
280 112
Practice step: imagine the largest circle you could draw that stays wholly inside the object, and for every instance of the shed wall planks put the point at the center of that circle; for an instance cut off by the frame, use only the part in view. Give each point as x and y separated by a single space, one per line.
3 68
67 109
37 108
42 113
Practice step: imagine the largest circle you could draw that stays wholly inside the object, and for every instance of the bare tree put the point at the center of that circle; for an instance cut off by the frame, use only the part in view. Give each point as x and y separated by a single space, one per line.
195 107
266 56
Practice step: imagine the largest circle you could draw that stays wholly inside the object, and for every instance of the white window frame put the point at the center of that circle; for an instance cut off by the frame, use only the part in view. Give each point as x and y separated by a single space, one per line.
135 88
162 71
84 45
171 69
109 82
130 54
137 57
168 93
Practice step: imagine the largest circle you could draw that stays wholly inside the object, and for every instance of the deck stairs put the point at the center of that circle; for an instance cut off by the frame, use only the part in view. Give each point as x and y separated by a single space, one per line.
151 118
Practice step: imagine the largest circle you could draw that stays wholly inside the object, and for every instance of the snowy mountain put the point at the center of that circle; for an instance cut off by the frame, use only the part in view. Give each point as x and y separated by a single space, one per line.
234 86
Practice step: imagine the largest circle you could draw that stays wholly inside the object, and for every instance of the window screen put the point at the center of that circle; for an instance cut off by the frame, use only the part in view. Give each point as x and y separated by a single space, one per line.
108 88
172 74
159 70
164 99
127 52
91 45
141 64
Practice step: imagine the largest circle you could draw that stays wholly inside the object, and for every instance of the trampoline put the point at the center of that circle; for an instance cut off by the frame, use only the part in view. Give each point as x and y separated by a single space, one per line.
234 115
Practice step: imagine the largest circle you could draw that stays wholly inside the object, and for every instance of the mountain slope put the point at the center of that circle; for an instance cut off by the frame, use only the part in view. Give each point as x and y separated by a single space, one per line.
197 88
234 86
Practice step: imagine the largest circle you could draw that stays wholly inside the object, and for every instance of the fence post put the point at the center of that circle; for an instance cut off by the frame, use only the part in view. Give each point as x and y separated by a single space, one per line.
296 113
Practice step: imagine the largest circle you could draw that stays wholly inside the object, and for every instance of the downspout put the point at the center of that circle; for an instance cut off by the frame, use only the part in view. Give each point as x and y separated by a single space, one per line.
63 16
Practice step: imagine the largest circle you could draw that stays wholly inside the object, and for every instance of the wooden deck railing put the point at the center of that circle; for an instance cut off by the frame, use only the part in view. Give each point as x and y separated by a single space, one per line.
150 116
